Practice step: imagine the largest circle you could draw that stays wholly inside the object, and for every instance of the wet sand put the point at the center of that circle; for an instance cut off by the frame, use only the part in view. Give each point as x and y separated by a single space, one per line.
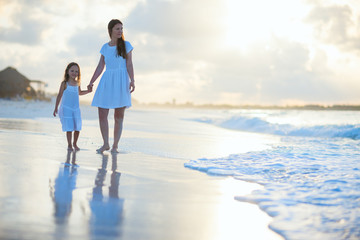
47 192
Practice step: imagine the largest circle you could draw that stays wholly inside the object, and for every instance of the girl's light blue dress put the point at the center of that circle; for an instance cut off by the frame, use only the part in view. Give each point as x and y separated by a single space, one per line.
113 89
69 111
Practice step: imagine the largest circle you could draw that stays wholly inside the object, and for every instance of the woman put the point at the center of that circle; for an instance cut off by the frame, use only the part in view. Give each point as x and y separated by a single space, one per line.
113 91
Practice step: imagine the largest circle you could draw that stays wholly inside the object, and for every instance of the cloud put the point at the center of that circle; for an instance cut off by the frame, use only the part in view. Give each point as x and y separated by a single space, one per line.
173 40
177 19
28 29
173 34
172 49
87 41
336 25
272 71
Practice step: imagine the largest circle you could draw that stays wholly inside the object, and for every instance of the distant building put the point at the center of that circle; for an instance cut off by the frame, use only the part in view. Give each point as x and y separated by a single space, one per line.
39 87
13 84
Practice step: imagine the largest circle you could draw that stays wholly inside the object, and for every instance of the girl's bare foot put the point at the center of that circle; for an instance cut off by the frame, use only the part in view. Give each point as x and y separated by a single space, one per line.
76 147
102 149
70 148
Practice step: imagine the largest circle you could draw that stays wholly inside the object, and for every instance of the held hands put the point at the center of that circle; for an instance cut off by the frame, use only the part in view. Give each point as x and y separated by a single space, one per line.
89 87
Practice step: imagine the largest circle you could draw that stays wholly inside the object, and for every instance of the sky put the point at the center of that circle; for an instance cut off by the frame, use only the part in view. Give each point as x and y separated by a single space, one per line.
277 52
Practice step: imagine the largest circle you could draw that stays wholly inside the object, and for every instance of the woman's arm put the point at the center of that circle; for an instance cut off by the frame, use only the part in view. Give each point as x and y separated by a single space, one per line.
59 96
130 70
98 71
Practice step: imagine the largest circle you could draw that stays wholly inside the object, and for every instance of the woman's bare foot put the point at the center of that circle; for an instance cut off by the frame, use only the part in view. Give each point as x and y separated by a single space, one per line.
102 149
70 148
76 147
114 150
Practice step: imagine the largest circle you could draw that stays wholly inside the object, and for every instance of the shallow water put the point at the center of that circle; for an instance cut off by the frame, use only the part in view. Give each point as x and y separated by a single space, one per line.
311 177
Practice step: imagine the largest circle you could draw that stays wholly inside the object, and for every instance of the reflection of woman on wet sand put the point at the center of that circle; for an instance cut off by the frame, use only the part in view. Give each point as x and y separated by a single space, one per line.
106 211
64 185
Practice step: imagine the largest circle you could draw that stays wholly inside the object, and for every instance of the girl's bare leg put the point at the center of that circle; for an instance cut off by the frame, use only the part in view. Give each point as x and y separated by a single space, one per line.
104 128
118 126
76 137
68 137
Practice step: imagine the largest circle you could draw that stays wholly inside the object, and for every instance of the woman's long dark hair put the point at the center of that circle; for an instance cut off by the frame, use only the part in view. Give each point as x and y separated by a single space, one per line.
66 74
120 46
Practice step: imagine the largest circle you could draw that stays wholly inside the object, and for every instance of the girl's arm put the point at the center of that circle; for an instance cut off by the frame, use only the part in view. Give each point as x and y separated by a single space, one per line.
130 70
59 96
98 71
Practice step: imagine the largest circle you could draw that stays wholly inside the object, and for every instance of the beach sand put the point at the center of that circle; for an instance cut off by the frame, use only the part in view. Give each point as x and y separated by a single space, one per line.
144 192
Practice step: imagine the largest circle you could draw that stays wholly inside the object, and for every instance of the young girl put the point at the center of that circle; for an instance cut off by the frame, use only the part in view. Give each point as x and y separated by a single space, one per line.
69 111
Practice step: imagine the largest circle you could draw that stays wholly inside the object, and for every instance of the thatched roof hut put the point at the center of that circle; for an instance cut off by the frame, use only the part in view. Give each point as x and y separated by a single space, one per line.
14 84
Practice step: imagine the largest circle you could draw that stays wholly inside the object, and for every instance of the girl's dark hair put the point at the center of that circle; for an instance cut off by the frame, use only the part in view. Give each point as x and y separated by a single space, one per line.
120 46
66 74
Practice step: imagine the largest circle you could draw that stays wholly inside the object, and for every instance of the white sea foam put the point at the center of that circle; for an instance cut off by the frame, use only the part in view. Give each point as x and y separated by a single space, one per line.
311 179
256 124
312 187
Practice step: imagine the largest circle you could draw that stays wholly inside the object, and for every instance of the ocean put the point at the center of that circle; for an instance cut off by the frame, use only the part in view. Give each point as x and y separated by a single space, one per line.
307 162
311 176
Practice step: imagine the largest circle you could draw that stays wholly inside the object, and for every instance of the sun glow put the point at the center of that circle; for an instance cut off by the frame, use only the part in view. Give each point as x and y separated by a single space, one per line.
254 21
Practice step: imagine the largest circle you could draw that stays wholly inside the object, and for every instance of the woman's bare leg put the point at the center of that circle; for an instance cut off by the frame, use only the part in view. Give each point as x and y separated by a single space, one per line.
104 128
118 126
68 137
76 137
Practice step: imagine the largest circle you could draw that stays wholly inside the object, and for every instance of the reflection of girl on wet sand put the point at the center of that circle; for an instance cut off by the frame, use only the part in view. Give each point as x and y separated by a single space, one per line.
64 185
106 211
